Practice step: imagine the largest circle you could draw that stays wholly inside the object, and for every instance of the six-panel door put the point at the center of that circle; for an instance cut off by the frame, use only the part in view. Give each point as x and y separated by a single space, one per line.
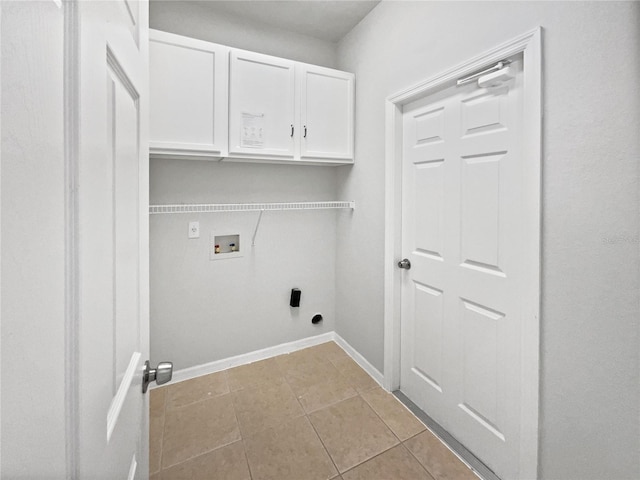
462 230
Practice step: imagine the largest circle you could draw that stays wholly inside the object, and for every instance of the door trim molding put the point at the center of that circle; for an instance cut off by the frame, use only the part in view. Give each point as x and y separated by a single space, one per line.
72 253
530 45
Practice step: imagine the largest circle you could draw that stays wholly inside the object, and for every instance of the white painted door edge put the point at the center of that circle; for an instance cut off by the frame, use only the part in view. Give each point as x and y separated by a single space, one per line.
530 45
283 348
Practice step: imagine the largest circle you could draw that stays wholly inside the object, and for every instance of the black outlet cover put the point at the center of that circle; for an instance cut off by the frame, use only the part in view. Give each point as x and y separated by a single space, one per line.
295 297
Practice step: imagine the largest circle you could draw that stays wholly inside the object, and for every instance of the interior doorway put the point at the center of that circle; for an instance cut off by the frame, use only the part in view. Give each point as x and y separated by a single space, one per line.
463 212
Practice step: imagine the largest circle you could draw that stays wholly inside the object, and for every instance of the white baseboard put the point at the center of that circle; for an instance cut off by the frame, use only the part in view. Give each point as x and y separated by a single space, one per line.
225 363
360 360
245 358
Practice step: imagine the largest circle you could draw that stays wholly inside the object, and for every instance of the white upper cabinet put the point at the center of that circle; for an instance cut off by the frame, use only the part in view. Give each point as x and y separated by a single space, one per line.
214 102
262 115
188 96
326 109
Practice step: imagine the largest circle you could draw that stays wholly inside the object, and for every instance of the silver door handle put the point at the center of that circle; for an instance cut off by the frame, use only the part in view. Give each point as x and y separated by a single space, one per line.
160 375
404 263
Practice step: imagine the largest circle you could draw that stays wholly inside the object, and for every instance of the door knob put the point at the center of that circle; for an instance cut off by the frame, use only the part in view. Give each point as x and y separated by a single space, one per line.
160 375
404 263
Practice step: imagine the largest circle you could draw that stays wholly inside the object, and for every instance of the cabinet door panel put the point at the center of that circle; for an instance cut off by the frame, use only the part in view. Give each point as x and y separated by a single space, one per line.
261 106
188 83
327 113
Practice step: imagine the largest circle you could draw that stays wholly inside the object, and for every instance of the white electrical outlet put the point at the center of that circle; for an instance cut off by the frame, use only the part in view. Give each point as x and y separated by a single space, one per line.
194 229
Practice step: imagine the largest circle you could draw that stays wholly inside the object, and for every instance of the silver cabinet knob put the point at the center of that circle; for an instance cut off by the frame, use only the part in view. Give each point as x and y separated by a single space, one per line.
160 375
404 263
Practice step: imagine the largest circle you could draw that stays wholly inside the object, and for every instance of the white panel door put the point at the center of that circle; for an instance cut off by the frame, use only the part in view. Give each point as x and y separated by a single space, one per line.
112 222
262 116
188 96
326 113
462 216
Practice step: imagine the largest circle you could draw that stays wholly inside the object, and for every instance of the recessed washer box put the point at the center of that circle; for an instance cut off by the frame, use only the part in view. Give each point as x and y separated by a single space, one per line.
224 246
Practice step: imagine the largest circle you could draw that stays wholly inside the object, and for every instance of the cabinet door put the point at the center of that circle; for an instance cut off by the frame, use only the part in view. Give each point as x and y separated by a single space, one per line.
188 96
327 98
261 106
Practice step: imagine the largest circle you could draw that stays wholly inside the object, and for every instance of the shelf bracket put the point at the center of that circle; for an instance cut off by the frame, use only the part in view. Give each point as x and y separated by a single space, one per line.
255 232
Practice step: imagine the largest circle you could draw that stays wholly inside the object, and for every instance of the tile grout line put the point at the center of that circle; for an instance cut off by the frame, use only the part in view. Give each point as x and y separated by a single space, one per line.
306 415
358 394
388 426
235 414
202 400
400 442
329 404
379 417
369 459
208 451
439 437
432 475
246 459
385 424
203 454
242 437
228 392
219 447
332 404
283 376
325 447
164 425
166 402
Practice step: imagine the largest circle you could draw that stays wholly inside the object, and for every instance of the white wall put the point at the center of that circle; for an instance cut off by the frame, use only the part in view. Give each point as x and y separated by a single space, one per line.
589 426
203 310
33 380
203 21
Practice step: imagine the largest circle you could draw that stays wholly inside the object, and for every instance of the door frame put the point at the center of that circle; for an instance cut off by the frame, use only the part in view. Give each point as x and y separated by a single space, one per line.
530 45
71 119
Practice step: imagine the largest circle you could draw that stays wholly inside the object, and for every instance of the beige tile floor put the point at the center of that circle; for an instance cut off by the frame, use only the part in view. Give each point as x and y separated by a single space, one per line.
312 414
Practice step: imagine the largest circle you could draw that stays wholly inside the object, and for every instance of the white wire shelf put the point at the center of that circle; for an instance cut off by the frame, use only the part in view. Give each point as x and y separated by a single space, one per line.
246 207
